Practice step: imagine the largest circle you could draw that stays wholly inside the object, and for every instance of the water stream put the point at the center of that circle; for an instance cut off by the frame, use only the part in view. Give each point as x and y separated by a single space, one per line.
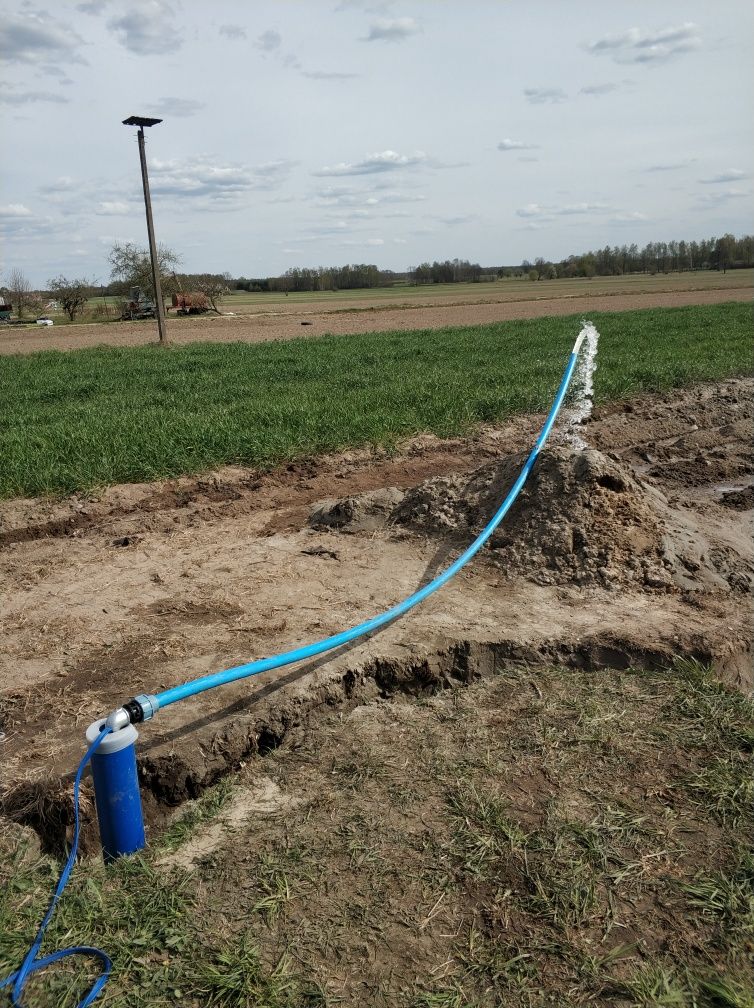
582 399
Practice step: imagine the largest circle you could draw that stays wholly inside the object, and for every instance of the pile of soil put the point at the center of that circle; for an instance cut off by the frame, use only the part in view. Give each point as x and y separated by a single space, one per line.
583 518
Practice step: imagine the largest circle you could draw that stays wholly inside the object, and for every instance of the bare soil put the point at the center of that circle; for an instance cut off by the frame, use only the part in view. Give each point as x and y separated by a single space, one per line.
358 317
639 555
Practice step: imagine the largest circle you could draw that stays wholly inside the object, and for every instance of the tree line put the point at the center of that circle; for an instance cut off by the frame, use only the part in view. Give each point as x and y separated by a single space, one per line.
130 267
722 254
349 277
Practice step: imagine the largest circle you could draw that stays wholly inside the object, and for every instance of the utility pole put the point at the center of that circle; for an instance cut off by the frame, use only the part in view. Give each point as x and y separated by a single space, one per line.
141 122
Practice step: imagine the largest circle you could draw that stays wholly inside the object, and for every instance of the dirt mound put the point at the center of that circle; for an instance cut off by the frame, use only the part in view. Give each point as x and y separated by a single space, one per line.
361 513
583 518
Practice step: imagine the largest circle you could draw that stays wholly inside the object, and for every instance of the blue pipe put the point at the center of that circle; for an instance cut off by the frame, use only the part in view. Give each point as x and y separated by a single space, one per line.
151 704
32 962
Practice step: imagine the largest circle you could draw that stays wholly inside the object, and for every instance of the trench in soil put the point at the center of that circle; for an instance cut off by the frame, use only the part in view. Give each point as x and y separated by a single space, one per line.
167 782
180 596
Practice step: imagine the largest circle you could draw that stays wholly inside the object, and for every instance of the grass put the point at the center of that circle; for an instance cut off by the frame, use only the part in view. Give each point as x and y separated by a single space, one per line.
203 810
77 420
523 875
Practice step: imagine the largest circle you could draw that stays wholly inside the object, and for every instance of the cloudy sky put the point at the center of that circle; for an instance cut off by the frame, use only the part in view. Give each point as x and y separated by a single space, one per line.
319 132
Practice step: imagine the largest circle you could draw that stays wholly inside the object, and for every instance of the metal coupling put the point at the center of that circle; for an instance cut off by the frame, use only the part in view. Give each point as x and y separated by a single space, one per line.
118 719
141 708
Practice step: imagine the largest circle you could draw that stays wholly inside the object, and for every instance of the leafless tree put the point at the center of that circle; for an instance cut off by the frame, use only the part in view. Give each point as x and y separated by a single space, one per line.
132 265
19 289
71 295
214 286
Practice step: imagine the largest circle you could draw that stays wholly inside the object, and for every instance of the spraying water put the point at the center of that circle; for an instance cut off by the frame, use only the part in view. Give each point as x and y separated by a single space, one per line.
583 387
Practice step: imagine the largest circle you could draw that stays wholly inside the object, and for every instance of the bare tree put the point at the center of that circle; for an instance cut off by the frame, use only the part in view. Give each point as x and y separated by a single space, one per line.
214 286
132 265
19 289
71 295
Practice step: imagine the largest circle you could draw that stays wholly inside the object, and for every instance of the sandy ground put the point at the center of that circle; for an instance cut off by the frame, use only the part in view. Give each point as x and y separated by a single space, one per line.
145 586
297 321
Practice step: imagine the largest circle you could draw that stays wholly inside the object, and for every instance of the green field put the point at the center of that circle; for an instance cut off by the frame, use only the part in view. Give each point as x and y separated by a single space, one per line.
107 308
500 290
80 419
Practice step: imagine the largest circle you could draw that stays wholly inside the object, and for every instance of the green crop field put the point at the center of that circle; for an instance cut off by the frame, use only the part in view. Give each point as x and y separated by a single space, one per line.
107 308
500 290
94 417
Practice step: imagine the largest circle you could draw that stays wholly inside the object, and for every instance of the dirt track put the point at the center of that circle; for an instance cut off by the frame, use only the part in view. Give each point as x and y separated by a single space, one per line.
292 324
146 586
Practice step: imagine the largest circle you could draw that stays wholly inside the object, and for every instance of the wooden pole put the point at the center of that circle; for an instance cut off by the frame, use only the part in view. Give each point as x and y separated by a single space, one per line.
152 245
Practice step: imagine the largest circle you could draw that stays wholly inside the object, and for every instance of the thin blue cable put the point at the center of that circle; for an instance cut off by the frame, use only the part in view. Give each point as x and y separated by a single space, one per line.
31 964
328 643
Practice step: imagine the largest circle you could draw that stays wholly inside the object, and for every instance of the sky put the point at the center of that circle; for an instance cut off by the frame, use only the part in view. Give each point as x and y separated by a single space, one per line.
320 132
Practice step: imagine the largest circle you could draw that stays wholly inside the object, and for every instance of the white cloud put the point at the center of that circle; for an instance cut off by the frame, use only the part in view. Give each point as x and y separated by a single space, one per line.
147 28
385 161
179 108
579 208
63 184
531 210
55 71
635 46
373 198
18 221
92 6
233 32
12 211
328 75
113 208
206 177
10 96
731 175
34 37
508 144
630 217
719 197
669 166
541 96
457 220
567 210
271 174
597 90
392 30
269 41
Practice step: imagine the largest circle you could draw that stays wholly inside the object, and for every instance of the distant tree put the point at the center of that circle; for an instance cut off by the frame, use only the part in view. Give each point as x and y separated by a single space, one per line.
214 286
725 251
131 264
19 289
71 295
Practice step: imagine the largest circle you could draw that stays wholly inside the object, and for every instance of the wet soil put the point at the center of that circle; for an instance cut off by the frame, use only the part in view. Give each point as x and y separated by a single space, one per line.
140 587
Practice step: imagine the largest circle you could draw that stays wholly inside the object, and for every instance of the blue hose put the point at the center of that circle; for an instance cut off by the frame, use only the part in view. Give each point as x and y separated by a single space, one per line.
31 964
346 636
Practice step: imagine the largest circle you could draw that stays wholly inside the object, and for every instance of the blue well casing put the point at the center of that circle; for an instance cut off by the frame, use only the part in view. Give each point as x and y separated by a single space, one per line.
116 791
